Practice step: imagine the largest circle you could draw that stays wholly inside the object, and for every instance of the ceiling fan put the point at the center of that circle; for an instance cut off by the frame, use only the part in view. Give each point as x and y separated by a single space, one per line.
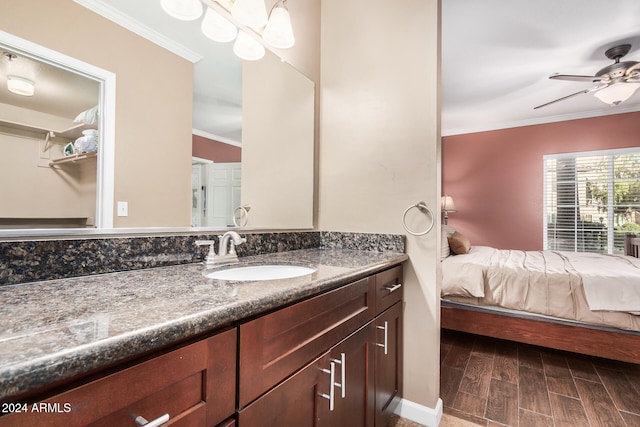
616 82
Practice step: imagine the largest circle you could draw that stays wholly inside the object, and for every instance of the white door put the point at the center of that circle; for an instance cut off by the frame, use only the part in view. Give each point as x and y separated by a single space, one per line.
223 184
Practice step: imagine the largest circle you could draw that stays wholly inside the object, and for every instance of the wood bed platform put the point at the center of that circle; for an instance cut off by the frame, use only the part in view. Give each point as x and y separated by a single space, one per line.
597 341
608 343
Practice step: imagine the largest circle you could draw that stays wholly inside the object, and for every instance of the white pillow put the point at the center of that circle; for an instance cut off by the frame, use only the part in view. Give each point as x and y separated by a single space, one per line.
445 250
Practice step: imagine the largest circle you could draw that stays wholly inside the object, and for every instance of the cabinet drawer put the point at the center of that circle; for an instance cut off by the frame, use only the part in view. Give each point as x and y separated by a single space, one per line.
388 288
194 384
274 346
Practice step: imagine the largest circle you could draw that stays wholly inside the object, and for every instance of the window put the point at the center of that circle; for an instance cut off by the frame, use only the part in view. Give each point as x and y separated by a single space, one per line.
591 199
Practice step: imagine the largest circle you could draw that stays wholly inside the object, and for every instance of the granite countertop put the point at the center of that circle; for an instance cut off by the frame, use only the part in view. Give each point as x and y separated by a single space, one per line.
59 329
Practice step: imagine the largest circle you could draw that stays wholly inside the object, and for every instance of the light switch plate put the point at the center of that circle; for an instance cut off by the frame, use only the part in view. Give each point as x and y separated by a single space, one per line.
123 209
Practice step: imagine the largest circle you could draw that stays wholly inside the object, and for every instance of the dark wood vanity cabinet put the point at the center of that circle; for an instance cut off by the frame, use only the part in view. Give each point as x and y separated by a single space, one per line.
193 385
332 360
352 335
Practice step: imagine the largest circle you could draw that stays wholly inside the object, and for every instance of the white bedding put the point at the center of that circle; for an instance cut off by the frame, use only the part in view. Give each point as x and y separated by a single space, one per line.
593 288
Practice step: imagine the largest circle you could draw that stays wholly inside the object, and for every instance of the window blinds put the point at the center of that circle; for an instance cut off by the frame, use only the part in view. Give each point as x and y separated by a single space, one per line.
591 199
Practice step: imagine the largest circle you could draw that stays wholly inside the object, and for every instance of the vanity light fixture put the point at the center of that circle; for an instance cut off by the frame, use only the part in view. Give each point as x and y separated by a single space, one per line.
246 22
217 28
252 13
278 32
185 10
248 48
20 86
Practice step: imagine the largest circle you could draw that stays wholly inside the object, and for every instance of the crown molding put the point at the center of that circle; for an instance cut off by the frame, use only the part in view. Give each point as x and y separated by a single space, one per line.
215 137
542 120
114 15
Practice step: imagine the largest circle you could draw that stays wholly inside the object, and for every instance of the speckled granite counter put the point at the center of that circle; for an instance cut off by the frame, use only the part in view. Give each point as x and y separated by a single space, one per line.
59 329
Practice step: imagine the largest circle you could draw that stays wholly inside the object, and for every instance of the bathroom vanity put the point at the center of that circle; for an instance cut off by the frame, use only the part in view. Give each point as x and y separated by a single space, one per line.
168 346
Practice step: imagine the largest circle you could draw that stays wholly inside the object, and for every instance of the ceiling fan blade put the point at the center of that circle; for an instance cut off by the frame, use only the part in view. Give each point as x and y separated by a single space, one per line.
575 78
568 96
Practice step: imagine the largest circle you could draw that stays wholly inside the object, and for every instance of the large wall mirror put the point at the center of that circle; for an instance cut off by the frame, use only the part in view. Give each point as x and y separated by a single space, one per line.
270 120
56 168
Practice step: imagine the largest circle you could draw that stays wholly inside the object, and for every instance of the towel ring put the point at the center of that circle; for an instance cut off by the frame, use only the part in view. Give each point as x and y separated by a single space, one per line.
422 206
243 212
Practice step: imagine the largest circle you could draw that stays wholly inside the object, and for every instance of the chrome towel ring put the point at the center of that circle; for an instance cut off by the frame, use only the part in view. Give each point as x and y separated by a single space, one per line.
422 207
242 213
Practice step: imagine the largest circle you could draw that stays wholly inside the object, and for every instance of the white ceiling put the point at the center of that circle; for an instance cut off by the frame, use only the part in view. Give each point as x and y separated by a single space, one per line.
496 59
497 56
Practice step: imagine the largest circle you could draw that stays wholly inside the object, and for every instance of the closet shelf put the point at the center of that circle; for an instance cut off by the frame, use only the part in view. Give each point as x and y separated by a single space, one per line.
71 133
73 158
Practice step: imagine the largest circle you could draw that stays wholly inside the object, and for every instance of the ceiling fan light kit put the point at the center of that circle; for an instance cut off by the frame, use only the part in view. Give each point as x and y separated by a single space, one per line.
247 22
616 93
616 82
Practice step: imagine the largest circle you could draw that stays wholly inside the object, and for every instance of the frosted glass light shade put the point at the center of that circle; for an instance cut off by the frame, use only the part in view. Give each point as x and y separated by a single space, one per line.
217 28
616 93
252 13
185 10
247 47
278 32
20 86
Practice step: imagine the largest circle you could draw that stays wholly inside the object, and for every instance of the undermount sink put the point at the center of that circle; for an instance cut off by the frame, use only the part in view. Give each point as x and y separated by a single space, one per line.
260 272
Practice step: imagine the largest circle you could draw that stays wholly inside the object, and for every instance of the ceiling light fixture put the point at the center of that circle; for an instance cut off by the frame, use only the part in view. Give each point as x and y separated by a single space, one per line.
278 32
20 86
246 21
185 10
616 93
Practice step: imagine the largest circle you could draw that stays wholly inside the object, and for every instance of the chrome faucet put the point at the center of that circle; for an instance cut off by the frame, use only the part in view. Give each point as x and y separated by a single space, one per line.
226 249
230 239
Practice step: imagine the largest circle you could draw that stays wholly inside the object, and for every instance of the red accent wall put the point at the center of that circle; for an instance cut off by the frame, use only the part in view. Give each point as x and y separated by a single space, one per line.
495 177
219 152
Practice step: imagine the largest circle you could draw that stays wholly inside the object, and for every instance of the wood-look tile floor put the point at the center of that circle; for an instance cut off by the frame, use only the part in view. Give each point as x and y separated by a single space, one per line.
491 382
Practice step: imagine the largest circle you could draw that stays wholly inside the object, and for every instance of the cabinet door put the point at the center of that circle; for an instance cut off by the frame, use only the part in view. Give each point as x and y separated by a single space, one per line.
308 398
293 402
353 383
388 363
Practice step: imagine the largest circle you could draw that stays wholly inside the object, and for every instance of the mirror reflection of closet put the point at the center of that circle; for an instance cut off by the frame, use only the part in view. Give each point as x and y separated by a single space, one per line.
50 117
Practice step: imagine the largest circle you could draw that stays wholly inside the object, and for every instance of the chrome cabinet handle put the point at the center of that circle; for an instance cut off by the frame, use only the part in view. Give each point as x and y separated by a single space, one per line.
392 288
332 381
343 368
385 327
155 423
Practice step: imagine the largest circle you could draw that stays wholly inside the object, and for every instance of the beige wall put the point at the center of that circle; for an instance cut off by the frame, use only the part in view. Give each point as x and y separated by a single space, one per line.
153 104
380 150
277 144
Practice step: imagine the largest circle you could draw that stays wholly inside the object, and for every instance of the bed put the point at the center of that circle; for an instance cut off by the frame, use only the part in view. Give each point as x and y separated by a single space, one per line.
553 299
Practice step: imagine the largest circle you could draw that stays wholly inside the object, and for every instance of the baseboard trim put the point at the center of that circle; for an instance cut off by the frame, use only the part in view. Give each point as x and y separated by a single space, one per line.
419 413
